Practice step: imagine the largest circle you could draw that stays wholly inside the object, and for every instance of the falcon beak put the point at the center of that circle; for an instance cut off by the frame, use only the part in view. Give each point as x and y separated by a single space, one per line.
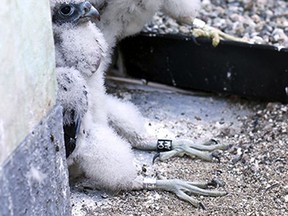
89 11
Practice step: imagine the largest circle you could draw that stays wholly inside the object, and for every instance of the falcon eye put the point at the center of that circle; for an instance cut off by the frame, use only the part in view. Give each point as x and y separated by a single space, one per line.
66 10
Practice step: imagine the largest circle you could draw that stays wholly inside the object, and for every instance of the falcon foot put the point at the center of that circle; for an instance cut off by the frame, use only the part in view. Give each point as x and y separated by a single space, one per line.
203 30
185 189
206 151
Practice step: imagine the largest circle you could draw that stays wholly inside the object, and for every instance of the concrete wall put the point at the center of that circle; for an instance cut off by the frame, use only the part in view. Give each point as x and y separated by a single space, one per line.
34 181
33 168
27 83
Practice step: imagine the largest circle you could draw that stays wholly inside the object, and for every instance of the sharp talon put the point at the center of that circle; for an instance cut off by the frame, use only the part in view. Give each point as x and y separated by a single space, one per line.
216 156
212 183
195 41
201 206
214 141
216 183
229 146
157 155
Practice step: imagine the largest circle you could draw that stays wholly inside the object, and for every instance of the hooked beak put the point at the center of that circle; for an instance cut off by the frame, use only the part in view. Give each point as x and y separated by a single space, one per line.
89 11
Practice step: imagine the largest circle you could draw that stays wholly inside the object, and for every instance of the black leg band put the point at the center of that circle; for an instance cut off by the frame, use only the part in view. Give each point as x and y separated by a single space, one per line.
164 145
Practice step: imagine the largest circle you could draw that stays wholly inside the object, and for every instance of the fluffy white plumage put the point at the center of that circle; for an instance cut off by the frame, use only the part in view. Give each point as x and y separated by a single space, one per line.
122 18
72 94
103 152
74 50
100 153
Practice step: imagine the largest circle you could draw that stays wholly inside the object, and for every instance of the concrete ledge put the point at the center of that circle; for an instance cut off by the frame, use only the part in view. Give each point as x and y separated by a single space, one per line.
34 179
27 78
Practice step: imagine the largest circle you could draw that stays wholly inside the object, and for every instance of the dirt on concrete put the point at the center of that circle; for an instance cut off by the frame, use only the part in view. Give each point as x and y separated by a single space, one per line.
254 170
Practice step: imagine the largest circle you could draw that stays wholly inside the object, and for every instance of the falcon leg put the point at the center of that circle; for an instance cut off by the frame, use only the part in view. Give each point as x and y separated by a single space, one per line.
183 189
206 151
127 120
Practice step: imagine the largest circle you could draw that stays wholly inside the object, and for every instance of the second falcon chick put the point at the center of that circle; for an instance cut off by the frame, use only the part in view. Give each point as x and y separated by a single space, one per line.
122 18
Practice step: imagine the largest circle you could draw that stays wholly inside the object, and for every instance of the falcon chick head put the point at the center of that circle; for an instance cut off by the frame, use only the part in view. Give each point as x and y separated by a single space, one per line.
73 12
78 42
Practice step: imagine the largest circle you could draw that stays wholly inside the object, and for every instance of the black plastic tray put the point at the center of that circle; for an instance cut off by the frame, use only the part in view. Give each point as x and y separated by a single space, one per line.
253 71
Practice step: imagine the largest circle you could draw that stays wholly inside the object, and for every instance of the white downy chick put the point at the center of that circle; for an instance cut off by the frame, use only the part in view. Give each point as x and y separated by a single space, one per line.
122 18
100 153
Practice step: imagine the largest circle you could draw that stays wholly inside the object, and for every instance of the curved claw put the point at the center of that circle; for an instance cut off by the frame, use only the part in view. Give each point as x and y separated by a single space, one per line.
157 155
201 206
216 183
184 190
216 156
215 142
194 39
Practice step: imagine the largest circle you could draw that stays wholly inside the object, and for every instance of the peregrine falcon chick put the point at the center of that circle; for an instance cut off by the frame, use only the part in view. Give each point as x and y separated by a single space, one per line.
105 128
122 18
76 62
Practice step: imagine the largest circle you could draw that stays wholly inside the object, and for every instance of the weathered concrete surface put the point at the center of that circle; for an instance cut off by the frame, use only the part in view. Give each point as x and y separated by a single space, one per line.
34 179
27 81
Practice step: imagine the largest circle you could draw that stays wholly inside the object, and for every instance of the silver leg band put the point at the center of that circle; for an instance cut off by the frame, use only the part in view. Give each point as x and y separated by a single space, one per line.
149 183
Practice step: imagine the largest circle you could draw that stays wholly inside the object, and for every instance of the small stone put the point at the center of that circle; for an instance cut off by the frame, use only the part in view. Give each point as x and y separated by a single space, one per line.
286 189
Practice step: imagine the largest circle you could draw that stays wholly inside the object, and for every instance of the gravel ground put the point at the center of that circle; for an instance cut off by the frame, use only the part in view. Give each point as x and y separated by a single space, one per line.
254 170
258 21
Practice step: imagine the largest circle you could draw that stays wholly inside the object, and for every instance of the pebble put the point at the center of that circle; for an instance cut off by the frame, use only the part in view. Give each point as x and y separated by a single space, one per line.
259 21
